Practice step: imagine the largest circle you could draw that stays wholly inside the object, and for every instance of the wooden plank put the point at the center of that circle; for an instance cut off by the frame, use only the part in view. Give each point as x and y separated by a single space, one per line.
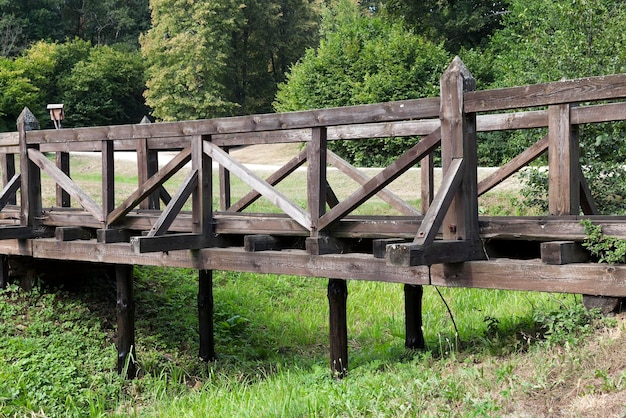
568 91
261 243
563 163
512 121
18 232
173 208
382 179
147 166
608 112
70 233
63 163
170 242
519 161
7 195
386 195
433 219
67 183
278 176
563 252
338 326
247 176
384 112
150 186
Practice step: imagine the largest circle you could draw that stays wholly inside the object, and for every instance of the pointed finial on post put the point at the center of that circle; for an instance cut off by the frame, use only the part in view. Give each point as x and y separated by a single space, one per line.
27 120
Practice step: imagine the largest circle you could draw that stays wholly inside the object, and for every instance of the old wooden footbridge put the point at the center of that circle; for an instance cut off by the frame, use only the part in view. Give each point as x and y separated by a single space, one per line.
444 242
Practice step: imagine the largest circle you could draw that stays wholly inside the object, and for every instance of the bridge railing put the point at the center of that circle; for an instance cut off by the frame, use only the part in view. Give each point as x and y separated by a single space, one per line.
449 123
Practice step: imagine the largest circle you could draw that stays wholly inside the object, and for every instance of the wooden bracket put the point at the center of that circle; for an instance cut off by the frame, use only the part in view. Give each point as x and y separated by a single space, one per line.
563 252
407 255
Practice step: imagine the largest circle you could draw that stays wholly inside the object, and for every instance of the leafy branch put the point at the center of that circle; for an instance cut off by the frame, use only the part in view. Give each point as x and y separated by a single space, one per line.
607 248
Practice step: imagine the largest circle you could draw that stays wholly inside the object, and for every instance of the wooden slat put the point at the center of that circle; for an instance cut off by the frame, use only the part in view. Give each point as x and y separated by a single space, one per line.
382 179
18 232
563 252
507 170
392 111
108 178
427 180
7 195
247 176
151 185
569 91
173 208
278 176
386 195
436 212
66 183
63 163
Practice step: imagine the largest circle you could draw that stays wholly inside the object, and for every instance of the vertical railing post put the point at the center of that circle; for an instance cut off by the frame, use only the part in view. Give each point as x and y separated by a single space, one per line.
30 188
316 177
7 165
108 177
126 359
428 181
147 166
224 176
205 315
563 162
202 198
458 140
63 163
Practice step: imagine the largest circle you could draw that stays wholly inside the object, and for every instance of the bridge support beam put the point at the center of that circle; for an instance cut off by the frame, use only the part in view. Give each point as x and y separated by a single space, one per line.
337 300
414 336
126 364
205 315
4 270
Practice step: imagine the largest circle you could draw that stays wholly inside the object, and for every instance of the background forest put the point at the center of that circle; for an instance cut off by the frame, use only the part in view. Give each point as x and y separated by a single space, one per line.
114 61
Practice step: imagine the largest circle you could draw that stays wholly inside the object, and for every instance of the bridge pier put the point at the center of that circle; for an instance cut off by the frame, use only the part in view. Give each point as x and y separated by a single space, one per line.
126 358
337 301
205 315
414 336
4 270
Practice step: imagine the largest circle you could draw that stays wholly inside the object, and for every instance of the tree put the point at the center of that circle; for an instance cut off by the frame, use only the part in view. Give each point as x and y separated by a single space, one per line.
16 92
458 23
363 58
104 89
218 58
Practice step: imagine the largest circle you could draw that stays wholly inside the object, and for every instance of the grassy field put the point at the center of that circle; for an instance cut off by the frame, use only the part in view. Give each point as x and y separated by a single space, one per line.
516 354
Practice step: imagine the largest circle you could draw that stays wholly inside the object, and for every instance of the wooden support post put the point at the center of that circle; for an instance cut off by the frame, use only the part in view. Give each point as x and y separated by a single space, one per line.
4 270
563 162
202 197
458 140
316 177
63 163
205 315
30 189
337 300
414 337
125 321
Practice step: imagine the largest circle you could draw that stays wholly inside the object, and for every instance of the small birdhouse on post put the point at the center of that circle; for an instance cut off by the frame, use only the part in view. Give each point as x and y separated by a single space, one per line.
56 114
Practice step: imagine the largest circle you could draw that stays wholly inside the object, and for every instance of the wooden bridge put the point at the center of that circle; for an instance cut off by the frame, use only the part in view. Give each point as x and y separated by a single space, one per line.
444 242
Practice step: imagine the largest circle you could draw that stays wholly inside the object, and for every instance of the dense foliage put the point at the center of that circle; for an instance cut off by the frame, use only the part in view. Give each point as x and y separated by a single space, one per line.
218 58
363 58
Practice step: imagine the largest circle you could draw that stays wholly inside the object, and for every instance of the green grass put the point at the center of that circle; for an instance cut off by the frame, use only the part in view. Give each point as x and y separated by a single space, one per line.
57 355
